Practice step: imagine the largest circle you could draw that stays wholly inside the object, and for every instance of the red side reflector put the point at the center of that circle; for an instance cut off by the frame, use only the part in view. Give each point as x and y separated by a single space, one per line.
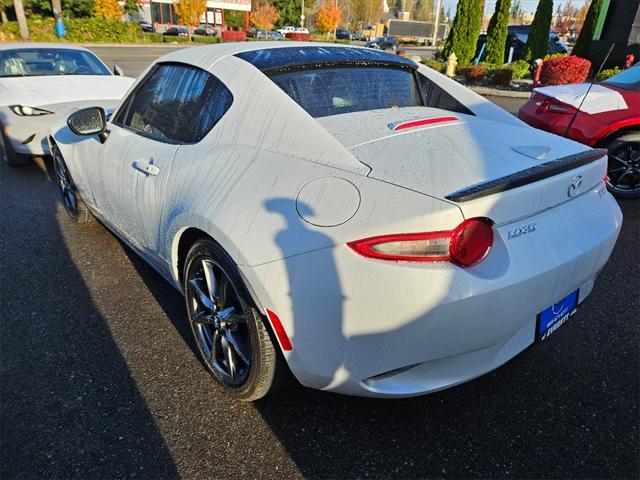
421 123
285 343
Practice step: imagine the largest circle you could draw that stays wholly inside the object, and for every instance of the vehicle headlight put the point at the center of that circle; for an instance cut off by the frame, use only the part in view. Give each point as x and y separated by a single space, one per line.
25 111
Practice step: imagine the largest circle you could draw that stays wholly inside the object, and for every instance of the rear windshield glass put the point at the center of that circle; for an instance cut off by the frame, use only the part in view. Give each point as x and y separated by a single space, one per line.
334 90
627 79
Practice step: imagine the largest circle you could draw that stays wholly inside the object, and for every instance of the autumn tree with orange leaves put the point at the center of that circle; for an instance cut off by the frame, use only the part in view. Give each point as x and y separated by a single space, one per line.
264 16
328 17
109 9
189 12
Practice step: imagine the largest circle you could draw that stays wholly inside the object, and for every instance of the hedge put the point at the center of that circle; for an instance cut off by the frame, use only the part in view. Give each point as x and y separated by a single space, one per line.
564 70
78 30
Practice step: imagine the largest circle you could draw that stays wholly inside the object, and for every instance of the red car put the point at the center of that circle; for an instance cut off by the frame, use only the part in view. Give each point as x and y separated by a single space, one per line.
608 118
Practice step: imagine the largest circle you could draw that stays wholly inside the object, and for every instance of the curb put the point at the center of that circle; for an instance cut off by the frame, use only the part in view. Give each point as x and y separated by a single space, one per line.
494 92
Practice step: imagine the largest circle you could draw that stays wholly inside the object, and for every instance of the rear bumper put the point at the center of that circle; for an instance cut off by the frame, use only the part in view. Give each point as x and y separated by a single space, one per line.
372 328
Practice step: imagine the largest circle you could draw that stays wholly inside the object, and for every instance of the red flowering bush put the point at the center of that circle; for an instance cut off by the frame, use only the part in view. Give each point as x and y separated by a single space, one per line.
233 36
476 73
563 70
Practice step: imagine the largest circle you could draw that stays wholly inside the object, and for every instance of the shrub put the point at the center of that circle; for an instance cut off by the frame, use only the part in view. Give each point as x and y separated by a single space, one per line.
503 76
79 30
564 70
206 39
497 32
491 67
476 73
153 37
437 65
537 45
520 69
604 74
554 55
463 36
174 39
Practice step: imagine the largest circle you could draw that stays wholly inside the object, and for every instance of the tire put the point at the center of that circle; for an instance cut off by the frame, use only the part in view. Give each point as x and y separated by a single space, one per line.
623 169
71 200
254 358
9 155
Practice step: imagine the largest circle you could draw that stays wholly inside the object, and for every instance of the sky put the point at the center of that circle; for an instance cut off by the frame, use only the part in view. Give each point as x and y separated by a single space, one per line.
527 5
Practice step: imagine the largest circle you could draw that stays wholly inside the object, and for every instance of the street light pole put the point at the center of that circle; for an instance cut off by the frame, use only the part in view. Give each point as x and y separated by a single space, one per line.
302 15
435 22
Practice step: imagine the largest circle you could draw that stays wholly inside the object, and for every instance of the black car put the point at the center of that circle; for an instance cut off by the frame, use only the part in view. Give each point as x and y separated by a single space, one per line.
177 32
517 38
344 34
383 43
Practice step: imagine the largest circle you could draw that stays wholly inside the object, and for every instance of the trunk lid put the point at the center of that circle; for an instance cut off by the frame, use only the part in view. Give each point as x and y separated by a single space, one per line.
425 150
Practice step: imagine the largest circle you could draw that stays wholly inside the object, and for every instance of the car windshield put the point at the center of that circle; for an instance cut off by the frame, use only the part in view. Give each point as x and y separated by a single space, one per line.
628 79
33 62
334 90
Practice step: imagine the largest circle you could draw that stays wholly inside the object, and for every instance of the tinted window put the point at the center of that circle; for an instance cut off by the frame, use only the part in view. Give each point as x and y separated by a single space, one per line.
32 62
437 97
335 90
176 103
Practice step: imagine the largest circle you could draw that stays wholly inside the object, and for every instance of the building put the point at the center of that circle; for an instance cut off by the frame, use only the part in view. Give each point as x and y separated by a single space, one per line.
162 14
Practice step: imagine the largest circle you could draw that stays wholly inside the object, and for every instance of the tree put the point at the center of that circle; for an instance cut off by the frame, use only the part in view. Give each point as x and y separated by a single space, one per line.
264 16
328 17
582 14
288 12
537 44
516 12
497 32
189 12
71 8
109 9
4 4
581 47
463 37
422 10
22 20
132 7
366 11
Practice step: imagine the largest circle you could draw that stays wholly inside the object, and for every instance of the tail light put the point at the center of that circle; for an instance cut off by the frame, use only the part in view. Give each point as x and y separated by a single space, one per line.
555 107
465 245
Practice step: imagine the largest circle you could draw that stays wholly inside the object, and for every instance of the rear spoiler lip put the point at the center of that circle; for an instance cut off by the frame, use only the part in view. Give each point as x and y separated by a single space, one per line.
525 177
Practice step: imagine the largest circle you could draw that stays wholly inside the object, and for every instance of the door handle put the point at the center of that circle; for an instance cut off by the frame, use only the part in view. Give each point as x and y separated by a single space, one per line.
146 166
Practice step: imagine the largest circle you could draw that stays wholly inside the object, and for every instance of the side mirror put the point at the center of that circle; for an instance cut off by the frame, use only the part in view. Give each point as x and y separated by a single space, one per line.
89 121
117 70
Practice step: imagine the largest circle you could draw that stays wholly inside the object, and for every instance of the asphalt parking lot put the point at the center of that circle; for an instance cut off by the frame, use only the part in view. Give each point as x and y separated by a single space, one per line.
99 379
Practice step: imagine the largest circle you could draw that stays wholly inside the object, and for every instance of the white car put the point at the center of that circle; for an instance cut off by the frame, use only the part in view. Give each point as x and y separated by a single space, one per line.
285 30
343 213
301 30
42 82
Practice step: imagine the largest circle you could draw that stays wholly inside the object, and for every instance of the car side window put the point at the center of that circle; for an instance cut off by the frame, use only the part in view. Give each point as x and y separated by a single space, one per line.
436 97
176 104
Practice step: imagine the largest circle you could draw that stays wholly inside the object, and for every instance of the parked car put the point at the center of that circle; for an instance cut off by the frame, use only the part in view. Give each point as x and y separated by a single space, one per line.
517 38
40 82
383 43
146 26
381 229
344 34
205 29
274 35
608 118
301 30
176 32
365 34
284 30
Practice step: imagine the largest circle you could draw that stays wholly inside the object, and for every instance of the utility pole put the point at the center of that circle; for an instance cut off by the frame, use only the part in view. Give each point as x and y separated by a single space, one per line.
302 15
22 20
435 22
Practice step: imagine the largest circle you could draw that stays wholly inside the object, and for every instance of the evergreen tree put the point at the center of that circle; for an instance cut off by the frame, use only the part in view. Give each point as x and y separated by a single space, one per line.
497 32
537 44
288 12
463 37
581 47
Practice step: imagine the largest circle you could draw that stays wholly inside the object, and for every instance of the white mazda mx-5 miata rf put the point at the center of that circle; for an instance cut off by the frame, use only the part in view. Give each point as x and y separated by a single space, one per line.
40 82
343 213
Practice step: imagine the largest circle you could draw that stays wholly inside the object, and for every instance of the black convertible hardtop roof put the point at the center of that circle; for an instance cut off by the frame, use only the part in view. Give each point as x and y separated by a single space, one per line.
271 60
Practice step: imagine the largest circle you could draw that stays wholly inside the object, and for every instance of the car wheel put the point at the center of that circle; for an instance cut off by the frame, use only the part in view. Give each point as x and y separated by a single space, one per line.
623 170
230 332
9 155
72 202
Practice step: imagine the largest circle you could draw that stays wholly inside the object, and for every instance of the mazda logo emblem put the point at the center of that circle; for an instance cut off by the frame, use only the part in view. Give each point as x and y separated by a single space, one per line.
574 185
